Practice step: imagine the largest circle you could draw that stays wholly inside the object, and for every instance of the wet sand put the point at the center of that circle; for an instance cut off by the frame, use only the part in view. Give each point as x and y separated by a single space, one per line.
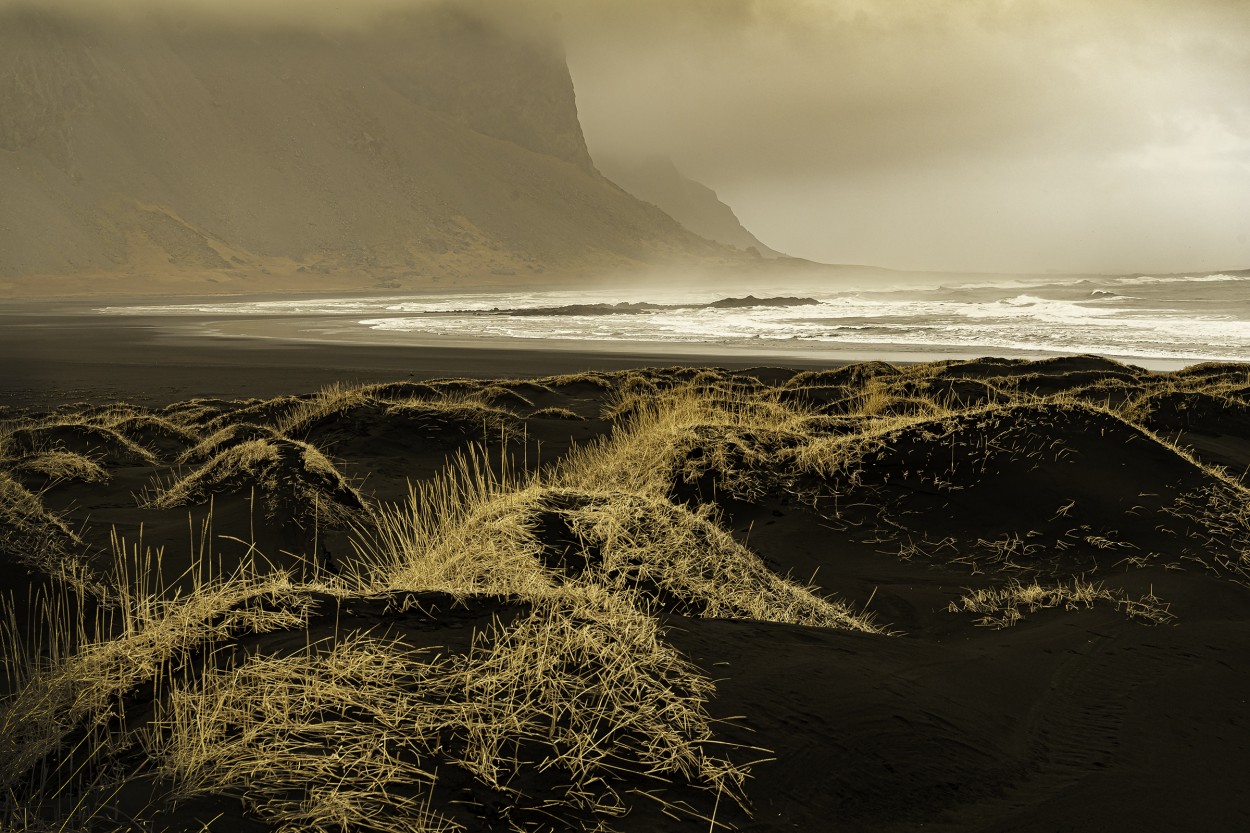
51 354
58 352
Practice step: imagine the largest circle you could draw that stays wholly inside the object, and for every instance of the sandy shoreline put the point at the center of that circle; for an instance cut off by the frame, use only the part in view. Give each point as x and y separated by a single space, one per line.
56 357
62 351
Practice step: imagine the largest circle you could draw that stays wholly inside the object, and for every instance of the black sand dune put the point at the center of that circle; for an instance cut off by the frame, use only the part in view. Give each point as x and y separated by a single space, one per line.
965 596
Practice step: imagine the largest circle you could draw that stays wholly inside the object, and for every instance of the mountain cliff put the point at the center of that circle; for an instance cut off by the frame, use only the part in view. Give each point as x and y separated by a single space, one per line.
697 207
434 144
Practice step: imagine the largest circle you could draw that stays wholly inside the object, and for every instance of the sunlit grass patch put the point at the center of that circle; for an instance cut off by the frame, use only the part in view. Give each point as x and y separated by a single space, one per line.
291 477
61 466
1002 607
37 537
97 440
582 693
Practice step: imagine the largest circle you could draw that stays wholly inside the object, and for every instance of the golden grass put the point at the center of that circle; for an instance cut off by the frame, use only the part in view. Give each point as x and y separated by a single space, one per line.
582 689
54 434
323 740
82 692
1001 607
291 476
556 412
223 438
60 467
669 556
656 433
331 399
458 533
37 537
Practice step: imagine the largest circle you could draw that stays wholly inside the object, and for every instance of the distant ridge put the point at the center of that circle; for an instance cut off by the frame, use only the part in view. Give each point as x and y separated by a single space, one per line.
696 206
431 145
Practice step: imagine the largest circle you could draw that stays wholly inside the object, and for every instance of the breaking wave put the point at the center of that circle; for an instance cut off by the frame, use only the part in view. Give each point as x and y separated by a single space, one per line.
1197 318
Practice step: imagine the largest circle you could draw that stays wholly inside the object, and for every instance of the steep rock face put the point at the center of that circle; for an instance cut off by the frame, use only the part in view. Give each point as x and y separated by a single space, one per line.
697 207
433 143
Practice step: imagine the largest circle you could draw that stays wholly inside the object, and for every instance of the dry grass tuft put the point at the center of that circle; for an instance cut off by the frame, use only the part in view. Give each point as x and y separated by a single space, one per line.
330 401
1000 607
224 438
293 478
61 466
37 537
463 532
582 692
68 435
82 692
670 557
556 412
647 451
323 740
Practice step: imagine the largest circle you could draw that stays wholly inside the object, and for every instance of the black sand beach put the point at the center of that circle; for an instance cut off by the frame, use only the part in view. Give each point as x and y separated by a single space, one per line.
50 354
994 595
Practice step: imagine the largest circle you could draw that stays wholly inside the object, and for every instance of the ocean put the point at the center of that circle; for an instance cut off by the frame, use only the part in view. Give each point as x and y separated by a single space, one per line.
1152 321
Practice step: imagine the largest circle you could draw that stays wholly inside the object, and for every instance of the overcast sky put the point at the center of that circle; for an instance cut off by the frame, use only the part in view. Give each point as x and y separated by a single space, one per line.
987 135
978 135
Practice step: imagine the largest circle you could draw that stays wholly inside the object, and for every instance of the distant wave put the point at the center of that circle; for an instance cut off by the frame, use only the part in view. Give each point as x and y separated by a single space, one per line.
1147 280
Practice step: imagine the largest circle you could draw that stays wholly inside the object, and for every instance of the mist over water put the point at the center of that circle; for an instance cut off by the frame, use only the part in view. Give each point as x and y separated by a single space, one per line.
1138 318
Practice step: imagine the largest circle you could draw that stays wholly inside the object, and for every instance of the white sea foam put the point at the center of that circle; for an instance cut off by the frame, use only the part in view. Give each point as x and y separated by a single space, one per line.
1206 317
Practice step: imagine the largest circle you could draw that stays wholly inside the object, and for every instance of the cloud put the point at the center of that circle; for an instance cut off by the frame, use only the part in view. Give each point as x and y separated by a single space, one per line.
970 134
966 134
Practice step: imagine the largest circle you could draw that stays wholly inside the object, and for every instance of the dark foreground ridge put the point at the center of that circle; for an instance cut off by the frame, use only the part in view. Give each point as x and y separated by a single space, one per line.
963 596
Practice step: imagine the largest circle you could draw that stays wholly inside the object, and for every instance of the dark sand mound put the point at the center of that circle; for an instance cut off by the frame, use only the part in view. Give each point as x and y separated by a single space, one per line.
959 597
417 420
166 439
94 441
257 411
990 368
854 374
1217 372
29 533
228 437
961 392
1214 424
1019 484
292 479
